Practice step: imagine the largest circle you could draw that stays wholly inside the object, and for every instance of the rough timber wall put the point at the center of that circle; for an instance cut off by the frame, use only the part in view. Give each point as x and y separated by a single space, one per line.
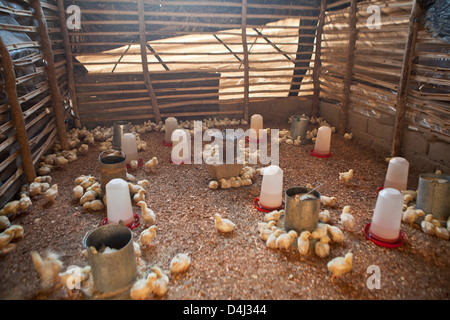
379 55
27 111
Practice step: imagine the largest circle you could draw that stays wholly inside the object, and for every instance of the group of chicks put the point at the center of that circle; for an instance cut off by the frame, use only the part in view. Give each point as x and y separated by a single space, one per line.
319 239
428 224
245 178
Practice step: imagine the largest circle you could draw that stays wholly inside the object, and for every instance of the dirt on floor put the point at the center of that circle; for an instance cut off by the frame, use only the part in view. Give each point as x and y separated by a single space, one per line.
237 265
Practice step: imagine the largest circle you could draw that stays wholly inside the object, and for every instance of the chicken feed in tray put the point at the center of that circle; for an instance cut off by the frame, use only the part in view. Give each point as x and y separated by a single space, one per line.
199 238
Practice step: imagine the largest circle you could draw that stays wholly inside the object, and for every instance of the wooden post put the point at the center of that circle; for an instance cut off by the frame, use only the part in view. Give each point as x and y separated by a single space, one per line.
399 125
349 68
16 110
317 59
143 43
69 60
246 63
51 74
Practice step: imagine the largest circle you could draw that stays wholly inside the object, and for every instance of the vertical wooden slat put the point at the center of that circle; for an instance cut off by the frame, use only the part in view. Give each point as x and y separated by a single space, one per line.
246 62
51 73
16 110
317 59
349 67
69 60
399 124
147 79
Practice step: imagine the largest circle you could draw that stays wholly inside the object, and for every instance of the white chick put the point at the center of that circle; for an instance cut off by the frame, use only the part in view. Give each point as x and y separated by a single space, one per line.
147 236
78 192
161 283
272 216
328 201
340 265
151 164
140 196
271 241
147 214
336 234
74 275
223 225
285 240
134 164
180 263
322 248
347 219
48 268
142 288
427 225
325 216
319 232
213 185
51 194
346 176
303 243
410 215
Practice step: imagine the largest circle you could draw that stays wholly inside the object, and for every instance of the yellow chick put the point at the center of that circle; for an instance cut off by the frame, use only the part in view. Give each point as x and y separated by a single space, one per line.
319 232
346 176
336 234
303 243
44 170
16 231
94 205
140 196
322 248
34 189
147 236
4 222
142 288
88 197
96 186
180 263
266 230
147 214
161 283
427 225
86 183
347 219
151 164
10 208
340 265
348 136
48 268
223 225
143 183
24 202
83 149
213 185
78 192
74 275
133 164
51 194
442 233
328 201
134 188
5 239
272 216
285 240
225 184
272 239
60 161
325 216
410 215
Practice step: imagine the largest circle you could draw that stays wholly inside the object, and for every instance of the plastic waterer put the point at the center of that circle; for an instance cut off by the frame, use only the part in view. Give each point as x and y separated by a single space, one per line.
397 174
271 195
119 207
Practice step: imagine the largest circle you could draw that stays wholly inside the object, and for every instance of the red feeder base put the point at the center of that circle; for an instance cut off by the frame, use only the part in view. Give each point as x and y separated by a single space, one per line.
140 163
320 155
383 243
379 189
261 208
167 144
132 225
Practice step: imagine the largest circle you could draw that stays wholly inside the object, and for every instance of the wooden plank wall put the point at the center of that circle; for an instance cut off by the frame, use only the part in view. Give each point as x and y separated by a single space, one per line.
33 92
378 60
266 45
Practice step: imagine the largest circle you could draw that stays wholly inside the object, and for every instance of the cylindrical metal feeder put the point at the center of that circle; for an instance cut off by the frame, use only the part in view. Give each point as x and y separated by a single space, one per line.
112 167
116 269
120 127
433 195
299 127
301 209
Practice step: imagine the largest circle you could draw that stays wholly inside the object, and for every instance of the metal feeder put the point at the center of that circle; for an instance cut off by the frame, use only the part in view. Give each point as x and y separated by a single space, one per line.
433 195
299 128
112 272
111 167
120 127
301 214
